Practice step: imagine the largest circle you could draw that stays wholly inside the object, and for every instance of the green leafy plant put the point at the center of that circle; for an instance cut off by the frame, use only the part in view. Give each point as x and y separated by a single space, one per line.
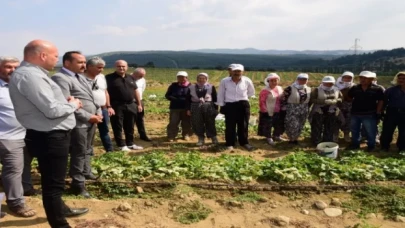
191 212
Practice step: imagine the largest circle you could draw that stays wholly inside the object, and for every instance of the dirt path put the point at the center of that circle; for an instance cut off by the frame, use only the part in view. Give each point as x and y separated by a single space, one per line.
157 213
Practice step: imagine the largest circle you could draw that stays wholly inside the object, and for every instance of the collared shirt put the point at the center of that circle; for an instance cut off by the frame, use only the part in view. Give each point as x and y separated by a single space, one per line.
38 101
365 101
394 97
229 91
98 87
10 128
121 89
141 83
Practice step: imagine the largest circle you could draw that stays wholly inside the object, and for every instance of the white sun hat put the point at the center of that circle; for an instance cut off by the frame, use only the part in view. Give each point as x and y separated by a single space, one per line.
328 79
368 74
238 67
348 73
182 73
303 76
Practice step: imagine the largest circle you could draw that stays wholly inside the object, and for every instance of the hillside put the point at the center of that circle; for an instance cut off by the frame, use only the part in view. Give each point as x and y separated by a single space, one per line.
253 51
387 61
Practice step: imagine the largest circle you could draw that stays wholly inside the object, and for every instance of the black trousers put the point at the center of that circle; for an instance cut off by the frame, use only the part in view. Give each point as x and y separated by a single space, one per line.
393 118
237 114
140 124
52 150
124 119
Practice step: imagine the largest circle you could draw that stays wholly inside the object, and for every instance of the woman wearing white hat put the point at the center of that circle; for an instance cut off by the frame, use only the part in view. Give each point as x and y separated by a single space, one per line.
270 107
324 115
200 105
295 101
344 83
176 94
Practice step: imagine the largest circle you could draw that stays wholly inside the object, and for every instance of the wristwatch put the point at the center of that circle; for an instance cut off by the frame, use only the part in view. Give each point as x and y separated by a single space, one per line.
108 106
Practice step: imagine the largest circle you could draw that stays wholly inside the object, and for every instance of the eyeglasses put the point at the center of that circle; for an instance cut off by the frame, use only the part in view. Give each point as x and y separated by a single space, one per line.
95 86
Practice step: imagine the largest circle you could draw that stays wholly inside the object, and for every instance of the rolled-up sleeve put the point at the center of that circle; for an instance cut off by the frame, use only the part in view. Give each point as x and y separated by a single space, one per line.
250 88
40 93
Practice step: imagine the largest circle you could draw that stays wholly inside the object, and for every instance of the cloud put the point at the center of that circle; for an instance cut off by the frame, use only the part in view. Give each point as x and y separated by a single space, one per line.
118 31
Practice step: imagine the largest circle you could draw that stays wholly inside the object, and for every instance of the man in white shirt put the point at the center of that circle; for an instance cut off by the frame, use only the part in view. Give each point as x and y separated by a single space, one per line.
12 145
233 96
94 67
139 75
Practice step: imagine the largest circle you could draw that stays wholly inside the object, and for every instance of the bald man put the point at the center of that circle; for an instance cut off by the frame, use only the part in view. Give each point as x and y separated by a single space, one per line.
126 103
48 116
139 75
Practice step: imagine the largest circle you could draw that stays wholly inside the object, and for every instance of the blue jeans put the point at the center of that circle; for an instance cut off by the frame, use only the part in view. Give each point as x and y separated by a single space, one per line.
369 123
103 129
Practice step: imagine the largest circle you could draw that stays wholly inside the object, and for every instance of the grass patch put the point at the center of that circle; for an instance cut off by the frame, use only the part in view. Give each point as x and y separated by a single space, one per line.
249 197
389 201
191 212
363 224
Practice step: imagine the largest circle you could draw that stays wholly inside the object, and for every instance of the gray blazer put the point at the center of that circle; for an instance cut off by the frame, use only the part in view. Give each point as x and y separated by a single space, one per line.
79 89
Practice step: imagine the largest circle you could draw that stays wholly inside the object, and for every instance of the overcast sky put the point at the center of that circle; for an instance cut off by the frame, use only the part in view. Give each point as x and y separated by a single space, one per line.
96 26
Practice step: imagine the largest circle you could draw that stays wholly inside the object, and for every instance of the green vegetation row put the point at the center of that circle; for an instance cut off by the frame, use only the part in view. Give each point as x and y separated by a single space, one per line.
294 168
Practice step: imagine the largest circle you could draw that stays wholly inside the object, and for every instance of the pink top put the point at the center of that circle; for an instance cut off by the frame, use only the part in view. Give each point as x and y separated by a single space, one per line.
263 97
262 100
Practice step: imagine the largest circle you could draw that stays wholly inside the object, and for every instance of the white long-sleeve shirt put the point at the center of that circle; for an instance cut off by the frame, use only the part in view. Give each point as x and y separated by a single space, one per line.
229 91
141 83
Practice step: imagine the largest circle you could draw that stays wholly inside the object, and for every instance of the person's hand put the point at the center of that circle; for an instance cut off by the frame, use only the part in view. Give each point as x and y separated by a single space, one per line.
96 119
330 102
188 113
70 98
75 102
111 111
140 109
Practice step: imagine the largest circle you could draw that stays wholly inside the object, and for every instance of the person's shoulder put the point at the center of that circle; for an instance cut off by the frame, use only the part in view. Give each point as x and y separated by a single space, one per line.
247 78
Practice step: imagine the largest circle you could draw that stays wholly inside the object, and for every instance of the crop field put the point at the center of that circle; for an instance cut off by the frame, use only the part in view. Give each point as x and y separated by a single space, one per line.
181 185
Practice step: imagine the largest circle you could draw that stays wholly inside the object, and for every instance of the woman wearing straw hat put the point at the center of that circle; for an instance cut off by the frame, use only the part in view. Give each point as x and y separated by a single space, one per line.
176 94
394 101
295 101
324 115
200 105
344 83
270 107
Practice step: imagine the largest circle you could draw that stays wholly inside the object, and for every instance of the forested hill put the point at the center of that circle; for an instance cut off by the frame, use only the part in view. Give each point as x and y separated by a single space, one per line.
381 61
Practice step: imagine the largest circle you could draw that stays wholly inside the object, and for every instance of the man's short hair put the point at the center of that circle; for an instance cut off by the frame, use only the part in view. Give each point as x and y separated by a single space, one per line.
139 70
8 59
94 61
68 56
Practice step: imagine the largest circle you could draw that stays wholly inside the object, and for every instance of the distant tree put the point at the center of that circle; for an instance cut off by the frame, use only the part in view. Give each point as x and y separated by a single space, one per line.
219 67
149 64
132 65
195 67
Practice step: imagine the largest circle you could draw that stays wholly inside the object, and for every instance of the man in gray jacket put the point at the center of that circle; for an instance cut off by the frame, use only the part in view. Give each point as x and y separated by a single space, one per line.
74 84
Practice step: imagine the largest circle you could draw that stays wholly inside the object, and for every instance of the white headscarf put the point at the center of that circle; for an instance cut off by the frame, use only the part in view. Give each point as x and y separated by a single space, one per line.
271 76
301 75
395 80
341 84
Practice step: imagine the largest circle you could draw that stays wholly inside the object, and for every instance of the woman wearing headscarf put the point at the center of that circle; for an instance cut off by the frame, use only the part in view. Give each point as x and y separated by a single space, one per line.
176 94
344 83
324 115
295 101
200 104
270 108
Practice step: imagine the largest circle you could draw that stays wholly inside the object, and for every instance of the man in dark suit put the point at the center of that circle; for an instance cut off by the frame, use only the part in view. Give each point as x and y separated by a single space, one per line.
74 84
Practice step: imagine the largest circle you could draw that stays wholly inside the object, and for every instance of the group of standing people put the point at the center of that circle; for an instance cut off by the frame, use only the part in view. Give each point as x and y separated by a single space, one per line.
334 105
54 118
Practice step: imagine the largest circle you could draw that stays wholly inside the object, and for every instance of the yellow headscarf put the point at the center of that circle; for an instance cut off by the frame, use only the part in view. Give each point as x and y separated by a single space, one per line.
395 80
